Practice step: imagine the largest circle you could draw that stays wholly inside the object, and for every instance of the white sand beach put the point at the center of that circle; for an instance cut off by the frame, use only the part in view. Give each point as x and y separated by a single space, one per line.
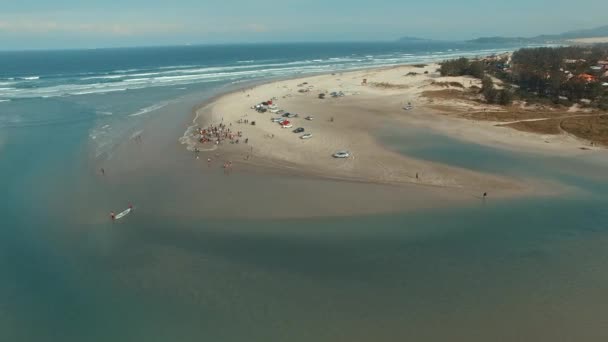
350 122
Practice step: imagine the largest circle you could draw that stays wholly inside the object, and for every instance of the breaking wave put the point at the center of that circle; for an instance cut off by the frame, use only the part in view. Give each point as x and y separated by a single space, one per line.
150 109
181 75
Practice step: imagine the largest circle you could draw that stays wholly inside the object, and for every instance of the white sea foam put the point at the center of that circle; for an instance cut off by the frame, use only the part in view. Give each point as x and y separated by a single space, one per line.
149 109
108 77
98 91
182 75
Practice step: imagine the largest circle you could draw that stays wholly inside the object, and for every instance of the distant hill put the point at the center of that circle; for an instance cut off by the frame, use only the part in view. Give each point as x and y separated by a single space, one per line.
601 31
590 33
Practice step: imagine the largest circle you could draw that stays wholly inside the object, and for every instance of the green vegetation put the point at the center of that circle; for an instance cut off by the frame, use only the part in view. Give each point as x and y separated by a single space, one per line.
505 97
492 95
563 75
462 67
448 84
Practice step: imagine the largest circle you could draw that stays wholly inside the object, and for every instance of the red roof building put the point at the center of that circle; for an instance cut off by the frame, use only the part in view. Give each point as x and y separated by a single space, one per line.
587 78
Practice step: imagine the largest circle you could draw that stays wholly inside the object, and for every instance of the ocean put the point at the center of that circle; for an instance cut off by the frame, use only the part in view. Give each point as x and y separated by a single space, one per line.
525 269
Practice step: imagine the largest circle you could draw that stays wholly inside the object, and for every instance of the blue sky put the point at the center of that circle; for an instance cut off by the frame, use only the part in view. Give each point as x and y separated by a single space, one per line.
32 24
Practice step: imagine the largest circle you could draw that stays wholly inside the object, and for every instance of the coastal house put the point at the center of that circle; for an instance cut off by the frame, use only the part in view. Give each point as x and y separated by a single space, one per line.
605 84
587 78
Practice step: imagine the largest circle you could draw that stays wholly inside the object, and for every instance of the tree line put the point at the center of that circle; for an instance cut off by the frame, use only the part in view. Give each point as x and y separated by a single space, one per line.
555 73
477 68
539 73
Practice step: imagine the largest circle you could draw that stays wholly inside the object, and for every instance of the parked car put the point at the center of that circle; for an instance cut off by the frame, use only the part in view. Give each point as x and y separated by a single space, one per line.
292 115
285 115
306 136
287 125
277 119
309 118
341 154
298 130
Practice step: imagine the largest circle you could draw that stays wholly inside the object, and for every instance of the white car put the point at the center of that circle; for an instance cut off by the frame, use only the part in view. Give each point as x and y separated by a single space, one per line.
306 136
274 111
309 118
287 126
341 154
279 120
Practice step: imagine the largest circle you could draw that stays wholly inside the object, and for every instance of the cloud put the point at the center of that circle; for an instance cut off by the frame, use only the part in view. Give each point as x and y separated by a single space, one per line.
258 28
41 26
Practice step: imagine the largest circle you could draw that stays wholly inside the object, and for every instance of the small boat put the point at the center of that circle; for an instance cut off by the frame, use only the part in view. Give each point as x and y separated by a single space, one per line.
123 214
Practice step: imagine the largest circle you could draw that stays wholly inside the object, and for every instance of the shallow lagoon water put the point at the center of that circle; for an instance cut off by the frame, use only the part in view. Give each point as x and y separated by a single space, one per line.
584 171
525 269
508 270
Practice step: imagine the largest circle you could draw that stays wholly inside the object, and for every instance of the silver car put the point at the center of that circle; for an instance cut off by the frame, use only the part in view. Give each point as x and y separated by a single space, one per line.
341 154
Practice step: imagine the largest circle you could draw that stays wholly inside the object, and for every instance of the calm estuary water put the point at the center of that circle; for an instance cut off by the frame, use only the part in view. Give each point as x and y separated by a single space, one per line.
520 270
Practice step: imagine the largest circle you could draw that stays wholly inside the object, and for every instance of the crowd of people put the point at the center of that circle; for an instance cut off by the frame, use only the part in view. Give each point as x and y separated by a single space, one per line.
217 134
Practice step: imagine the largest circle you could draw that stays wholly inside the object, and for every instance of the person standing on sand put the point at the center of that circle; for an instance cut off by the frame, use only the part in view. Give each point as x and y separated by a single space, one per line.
485 195
417 175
